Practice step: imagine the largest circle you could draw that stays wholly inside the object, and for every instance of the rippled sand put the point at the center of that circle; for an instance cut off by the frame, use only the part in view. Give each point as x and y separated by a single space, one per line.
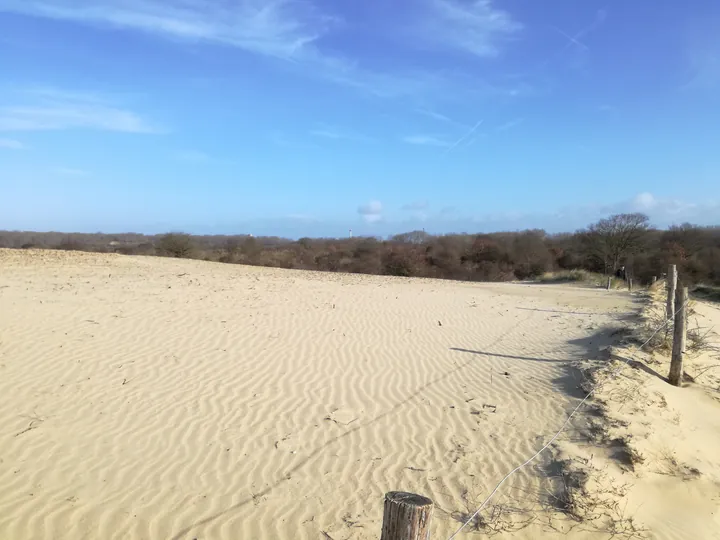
150 398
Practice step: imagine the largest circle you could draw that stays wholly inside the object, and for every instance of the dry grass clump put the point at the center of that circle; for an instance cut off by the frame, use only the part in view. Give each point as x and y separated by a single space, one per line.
590 498
496 519
668 464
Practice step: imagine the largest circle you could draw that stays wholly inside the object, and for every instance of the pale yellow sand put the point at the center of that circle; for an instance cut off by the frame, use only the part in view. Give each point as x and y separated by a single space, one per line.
147 398
672 486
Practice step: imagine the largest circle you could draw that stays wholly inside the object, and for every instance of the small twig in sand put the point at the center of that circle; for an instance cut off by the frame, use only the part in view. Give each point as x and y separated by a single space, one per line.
34 423
708 368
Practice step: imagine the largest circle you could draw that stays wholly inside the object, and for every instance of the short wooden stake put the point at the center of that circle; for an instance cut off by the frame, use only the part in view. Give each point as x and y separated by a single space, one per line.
406 517
609 282
671 286
676 363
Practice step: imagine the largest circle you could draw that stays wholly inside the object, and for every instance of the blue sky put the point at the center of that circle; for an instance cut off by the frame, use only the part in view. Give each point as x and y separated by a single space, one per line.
312 117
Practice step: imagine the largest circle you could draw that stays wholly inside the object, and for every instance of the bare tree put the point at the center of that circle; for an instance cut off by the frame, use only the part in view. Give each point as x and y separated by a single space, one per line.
615 238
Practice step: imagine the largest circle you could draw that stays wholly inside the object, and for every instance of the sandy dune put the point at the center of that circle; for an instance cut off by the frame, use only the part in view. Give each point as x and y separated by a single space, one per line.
658 445
145 398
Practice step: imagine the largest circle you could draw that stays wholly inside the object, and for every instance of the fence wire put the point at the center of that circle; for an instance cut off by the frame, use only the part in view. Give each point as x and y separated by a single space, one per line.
613 374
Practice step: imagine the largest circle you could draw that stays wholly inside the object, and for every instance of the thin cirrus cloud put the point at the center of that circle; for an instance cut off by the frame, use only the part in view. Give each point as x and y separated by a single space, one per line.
477 27
280 28
426 140
52 110
71 172
510 124
334 133
192 156
293 30
11 144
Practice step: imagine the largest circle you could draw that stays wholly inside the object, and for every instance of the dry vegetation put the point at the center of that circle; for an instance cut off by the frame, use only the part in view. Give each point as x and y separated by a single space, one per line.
584 256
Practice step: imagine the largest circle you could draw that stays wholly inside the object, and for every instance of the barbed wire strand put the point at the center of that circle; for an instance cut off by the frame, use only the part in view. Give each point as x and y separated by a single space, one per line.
562 428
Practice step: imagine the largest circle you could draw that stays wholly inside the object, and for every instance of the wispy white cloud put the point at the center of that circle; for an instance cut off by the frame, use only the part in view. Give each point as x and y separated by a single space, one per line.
435 115
293 30
442 117
70 171
644 201
326 133
663 211
510 124
331 132
281 28
426 140
11 144
669 210
50 110
192 156
371 212
477 27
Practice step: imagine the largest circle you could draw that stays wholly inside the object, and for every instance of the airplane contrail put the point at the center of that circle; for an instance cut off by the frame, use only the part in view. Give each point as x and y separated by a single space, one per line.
461 139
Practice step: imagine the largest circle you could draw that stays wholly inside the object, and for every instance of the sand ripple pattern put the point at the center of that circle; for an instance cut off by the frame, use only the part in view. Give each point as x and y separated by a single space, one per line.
145 398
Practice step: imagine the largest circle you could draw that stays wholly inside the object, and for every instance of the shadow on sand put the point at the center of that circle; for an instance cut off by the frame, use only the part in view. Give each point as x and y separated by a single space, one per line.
569 382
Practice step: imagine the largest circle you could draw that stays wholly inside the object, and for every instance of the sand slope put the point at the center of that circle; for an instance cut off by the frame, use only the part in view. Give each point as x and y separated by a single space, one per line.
148 398
660 443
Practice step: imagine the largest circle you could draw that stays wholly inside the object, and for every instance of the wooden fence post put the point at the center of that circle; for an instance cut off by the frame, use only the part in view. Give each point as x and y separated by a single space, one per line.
630 284
676 363
609 282
406 516
683 343
671 286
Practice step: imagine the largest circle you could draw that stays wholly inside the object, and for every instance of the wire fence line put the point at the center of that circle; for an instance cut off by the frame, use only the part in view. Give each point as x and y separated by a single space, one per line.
532 458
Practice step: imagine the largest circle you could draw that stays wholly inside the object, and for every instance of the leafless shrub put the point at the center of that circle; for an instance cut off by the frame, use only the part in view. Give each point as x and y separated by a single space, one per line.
178 245
501 256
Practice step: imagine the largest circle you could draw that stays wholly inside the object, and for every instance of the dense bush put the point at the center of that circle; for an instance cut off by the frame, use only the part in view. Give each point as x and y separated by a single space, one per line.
178 245
624 239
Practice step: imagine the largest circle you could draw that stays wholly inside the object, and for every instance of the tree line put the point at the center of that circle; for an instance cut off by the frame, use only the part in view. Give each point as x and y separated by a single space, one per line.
621 240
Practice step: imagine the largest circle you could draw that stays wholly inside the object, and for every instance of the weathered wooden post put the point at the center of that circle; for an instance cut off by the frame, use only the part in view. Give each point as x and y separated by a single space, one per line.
671 286
676 363
609 282
630 284
685 320
406 516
